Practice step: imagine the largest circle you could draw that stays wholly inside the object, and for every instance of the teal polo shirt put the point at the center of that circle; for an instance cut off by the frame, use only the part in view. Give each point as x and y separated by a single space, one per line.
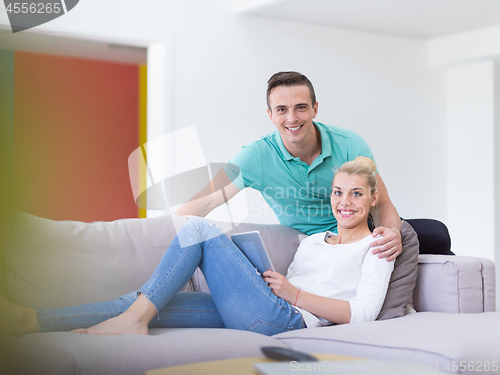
299 194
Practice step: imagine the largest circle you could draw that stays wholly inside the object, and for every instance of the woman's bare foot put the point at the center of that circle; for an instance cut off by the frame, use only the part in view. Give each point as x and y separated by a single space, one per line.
16 320
134 321
120 325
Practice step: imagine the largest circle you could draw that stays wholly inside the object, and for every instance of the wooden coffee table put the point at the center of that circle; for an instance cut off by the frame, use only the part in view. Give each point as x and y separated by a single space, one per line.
232 366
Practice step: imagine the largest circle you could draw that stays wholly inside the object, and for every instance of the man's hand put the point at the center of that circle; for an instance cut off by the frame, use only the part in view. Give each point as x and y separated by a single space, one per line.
390 245
280 286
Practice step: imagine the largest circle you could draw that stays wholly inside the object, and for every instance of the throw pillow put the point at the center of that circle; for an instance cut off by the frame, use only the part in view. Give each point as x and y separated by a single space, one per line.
403 278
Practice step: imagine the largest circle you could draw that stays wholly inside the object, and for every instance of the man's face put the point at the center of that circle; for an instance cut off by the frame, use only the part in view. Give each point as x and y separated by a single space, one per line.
292 112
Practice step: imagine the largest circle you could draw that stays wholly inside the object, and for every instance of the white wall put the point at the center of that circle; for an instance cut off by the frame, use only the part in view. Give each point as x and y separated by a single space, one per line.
471 153
473 107
465 47
378 85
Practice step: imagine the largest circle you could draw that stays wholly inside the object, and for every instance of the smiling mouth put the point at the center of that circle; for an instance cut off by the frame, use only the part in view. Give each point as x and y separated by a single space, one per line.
295 129
346 213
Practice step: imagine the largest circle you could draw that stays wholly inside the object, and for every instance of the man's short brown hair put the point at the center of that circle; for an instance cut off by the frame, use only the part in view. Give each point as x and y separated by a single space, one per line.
289 79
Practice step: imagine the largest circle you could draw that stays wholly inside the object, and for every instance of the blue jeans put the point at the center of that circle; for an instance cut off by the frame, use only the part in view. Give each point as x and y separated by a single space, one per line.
239 298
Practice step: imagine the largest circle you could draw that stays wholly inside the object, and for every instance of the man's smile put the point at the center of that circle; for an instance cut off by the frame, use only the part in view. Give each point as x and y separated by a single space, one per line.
294 129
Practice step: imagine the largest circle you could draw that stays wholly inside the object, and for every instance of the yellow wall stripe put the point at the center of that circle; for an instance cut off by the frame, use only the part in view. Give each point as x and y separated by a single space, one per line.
143 126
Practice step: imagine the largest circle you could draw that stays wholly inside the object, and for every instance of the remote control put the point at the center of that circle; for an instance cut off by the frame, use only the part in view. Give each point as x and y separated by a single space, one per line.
281 354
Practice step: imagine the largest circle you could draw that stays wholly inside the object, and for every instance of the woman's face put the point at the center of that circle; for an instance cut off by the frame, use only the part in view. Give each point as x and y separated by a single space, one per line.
351 199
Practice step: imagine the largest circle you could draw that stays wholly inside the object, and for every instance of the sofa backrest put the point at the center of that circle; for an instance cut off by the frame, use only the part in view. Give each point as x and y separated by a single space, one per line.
61 263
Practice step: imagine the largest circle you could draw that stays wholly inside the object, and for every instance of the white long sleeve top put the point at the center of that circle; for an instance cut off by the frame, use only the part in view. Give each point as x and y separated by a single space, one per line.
348 272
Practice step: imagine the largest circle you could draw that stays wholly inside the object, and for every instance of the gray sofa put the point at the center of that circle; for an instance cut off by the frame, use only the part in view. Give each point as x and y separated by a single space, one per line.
52 264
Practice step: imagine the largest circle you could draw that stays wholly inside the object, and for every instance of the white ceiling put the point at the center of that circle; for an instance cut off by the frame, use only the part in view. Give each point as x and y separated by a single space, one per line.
54 44
412 18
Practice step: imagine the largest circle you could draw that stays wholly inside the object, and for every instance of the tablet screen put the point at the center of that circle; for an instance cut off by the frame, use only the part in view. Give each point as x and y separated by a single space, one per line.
251 245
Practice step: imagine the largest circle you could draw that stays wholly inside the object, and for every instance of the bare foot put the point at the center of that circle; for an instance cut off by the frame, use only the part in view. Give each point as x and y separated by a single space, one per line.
134 321
120 325
16 320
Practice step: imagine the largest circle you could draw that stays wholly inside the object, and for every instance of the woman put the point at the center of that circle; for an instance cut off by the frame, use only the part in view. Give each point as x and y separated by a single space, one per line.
334 278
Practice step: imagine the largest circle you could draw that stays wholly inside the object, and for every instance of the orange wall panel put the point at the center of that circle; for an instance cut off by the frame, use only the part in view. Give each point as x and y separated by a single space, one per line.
75 124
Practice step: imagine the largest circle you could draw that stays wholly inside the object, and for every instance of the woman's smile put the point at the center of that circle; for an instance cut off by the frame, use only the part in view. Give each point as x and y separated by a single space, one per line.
346 213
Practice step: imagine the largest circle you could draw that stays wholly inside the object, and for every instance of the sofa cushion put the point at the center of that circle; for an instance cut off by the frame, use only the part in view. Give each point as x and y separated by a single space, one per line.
403 278
136 354
18 356
433 339
62 263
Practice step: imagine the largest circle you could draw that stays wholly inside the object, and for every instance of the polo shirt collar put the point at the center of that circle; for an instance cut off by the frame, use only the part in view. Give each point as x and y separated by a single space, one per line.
284 152
326 146
326 149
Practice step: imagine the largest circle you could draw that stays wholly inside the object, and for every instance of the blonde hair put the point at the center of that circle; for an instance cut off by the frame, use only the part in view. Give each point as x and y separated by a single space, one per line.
362 166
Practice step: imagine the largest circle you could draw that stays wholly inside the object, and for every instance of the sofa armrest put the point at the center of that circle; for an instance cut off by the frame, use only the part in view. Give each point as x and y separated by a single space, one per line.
454 284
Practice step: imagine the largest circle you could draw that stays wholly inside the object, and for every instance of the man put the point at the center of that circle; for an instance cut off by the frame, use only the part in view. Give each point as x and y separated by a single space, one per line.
293 167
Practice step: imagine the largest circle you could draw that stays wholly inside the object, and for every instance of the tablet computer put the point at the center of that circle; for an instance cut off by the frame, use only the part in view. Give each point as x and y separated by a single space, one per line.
250 244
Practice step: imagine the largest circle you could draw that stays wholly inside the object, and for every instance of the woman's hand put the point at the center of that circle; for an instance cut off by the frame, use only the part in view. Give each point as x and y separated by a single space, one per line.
280 286
332 309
